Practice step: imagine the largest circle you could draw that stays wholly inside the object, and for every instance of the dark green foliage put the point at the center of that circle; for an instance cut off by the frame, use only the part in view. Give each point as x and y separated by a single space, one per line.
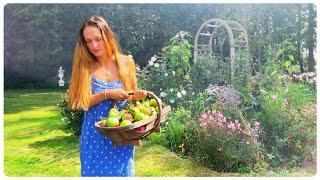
38 38
73 119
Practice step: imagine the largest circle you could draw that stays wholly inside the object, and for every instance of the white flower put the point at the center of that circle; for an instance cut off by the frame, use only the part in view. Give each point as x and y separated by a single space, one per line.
286 90
156 65
263 91
166 74
163 94
153 59
171 100
171 90
274 97
130 56
311 81
274 72
192 93
138 68
173 72
151 63
183 92
179 95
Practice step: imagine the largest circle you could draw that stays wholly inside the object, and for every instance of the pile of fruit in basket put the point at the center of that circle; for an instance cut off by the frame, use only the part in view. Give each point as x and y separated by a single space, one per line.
133 112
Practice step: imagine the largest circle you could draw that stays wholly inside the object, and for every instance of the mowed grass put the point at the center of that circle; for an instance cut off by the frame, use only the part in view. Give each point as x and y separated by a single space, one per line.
36 143
155 160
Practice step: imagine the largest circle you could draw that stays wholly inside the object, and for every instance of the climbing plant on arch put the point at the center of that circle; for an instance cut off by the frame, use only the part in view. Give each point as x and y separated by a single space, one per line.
223 40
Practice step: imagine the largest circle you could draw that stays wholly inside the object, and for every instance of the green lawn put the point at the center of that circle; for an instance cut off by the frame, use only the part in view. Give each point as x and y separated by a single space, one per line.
36 143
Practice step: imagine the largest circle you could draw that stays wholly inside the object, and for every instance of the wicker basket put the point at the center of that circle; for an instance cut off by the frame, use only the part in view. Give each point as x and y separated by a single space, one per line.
129 134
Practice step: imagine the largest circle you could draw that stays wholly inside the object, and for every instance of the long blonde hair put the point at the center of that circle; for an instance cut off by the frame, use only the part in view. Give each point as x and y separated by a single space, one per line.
79 92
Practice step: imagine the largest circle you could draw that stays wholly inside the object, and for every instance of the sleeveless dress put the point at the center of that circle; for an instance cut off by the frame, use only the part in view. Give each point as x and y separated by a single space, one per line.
98 156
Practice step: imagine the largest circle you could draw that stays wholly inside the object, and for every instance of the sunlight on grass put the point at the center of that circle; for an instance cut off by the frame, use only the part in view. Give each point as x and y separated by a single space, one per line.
155 160
36 137
38 144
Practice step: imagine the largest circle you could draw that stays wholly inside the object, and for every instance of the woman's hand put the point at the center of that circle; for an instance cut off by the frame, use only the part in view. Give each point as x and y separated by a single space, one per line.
138 95
117 94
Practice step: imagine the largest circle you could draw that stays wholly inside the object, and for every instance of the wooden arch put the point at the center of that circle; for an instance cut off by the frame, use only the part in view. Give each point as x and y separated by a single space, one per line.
203 44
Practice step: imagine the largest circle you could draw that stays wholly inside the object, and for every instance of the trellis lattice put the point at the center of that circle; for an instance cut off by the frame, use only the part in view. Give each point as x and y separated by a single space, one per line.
220 39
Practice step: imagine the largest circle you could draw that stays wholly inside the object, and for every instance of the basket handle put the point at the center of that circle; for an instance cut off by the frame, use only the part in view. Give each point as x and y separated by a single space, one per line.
158 120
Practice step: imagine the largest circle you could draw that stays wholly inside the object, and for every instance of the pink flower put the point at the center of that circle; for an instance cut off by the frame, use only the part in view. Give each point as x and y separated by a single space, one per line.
245 132
219 114
231 126
286 103
237 124
219 124
256 123
203 115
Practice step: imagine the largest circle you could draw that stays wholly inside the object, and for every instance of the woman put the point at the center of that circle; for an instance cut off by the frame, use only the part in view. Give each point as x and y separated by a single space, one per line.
100 74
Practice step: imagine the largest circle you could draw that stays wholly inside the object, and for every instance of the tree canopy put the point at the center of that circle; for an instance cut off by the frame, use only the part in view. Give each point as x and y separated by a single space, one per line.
38 38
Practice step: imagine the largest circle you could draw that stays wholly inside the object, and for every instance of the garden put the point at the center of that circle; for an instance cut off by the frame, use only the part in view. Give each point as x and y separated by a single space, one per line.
242 109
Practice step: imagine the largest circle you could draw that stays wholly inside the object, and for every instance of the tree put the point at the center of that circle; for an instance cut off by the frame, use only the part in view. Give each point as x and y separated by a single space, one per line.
311 36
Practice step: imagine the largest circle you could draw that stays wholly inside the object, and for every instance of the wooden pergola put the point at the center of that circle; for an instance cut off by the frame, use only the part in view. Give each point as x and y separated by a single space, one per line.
208 36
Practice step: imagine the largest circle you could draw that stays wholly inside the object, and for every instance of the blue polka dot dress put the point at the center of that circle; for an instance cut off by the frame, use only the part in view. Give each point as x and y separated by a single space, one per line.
98 156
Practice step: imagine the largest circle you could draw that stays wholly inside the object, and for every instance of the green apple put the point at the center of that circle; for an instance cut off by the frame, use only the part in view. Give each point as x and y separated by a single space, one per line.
146 103
134 110
146 111
140 106
138 116
125 123
113 112
121 113
153 102
112 122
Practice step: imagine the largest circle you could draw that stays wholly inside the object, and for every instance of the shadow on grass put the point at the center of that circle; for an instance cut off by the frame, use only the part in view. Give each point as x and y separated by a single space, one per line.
60 149
16 101
57 144
31 127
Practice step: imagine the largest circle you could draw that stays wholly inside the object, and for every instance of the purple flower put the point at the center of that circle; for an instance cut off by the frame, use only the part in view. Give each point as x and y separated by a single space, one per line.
284 77
224 95
255 130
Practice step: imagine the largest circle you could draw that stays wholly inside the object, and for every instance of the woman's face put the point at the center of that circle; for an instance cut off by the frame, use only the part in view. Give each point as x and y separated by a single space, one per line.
94 41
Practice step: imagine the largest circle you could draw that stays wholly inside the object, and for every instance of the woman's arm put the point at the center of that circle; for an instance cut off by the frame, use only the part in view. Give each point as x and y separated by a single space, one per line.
115 94
96 98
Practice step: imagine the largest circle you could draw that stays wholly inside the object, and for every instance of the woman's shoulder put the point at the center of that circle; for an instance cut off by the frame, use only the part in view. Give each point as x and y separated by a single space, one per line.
127 58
